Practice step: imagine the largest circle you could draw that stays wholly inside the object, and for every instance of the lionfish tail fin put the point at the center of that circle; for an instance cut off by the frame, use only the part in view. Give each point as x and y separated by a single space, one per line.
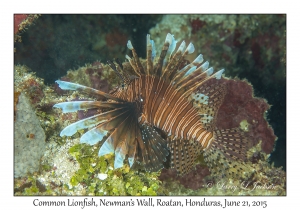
227 153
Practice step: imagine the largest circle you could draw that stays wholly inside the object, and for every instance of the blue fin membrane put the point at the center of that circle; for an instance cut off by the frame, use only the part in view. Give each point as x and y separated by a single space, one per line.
93 136
74 106
73 86
90 122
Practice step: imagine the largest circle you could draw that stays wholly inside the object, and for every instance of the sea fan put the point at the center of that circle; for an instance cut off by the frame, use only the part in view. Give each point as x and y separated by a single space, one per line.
160 108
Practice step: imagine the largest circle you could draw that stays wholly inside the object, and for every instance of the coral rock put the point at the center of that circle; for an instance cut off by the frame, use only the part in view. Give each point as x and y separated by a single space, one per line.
192 180
29 139
240 104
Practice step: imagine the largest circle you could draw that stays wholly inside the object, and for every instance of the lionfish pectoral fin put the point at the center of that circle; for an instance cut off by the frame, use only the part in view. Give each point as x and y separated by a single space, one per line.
227 153
93 136
97 134
73 106
116 142
125 146
73 86
90 122
120 154
152 148
106 148
183 154
109 146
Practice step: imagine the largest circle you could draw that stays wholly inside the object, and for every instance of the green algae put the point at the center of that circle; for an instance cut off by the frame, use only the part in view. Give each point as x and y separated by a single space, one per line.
99 178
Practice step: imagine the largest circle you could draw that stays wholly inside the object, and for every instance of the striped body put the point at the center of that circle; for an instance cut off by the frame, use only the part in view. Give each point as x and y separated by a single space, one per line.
157 99
165 107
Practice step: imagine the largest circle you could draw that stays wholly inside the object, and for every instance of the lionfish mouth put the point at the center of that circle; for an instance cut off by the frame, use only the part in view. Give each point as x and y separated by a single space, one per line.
158 96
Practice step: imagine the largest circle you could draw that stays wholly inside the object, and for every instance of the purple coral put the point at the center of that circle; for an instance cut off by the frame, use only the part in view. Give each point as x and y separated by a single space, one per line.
240 104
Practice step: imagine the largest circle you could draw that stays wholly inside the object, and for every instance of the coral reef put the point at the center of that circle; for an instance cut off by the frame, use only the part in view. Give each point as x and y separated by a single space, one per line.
21 22
239 106
194 180
95 75
29 139
28 83
232 39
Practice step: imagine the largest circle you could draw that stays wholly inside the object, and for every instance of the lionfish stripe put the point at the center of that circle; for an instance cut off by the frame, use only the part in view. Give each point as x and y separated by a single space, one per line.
89 122
172 45
174 100
152 91
203 137
171 67
149 69
206 139
180 120
191 74
191 133
138 64
158 98
178 112
73 106
73 86
142 85
133 65
163 111
159 64
196 130
216 75
195 78
189 125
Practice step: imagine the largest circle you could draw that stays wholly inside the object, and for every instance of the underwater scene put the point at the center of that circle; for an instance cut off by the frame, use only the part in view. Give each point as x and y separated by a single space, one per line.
145 105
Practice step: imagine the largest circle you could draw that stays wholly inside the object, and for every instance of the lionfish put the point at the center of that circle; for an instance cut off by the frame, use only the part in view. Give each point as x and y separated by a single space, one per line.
160 108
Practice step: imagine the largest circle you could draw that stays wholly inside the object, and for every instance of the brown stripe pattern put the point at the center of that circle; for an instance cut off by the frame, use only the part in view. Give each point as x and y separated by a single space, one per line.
165 108
162 107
